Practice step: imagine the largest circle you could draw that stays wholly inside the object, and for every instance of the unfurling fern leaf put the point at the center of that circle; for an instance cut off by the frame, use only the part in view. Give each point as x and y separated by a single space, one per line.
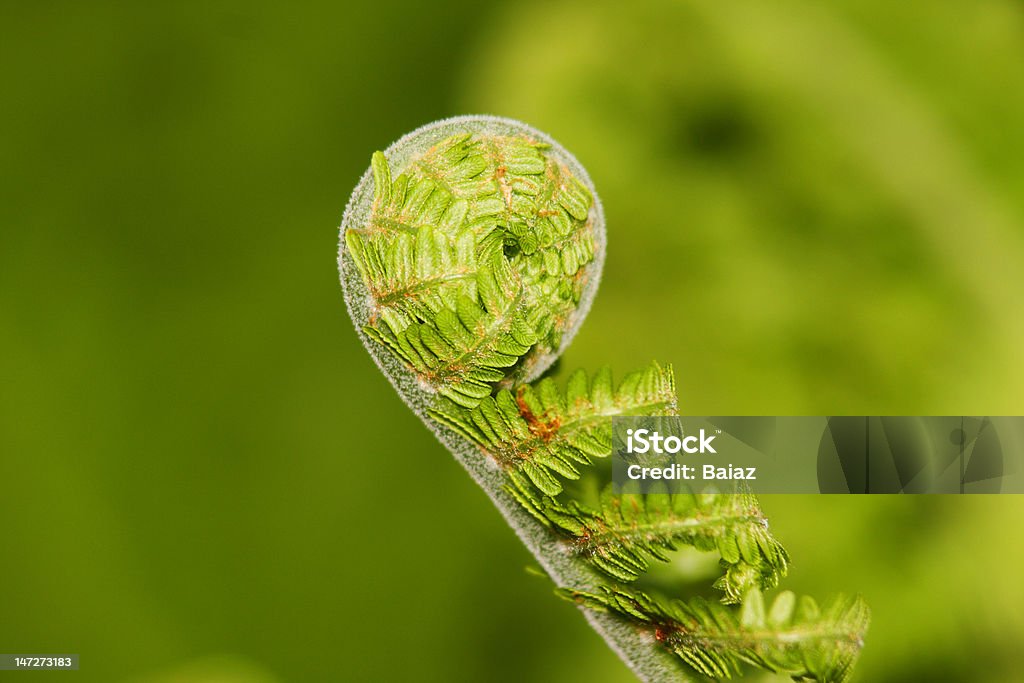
466 274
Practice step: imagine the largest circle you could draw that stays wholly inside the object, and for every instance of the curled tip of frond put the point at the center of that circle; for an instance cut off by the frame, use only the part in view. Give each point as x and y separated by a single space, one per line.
476 256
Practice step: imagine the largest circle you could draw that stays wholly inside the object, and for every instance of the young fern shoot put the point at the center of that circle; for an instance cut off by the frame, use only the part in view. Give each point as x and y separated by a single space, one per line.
470 253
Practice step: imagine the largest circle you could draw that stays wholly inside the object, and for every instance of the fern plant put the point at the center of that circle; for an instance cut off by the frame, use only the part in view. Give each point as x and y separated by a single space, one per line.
470 253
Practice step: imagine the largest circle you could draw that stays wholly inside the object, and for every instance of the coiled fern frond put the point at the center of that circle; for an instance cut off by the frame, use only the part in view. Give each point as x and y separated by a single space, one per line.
470 253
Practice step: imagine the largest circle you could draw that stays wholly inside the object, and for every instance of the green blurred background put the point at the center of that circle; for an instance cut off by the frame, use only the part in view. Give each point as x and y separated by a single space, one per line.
814 208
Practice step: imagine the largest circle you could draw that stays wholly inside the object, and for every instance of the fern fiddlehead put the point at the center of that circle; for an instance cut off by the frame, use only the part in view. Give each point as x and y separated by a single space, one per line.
470 253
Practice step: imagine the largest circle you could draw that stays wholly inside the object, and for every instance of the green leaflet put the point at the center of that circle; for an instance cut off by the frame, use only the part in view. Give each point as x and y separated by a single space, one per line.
539 432
411 202
464 349
792 637
414 277
630 530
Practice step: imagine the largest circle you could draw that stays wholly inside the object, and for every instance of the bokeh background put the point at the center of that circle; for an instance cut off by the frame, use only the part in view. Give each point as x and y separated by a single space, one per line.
814 208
